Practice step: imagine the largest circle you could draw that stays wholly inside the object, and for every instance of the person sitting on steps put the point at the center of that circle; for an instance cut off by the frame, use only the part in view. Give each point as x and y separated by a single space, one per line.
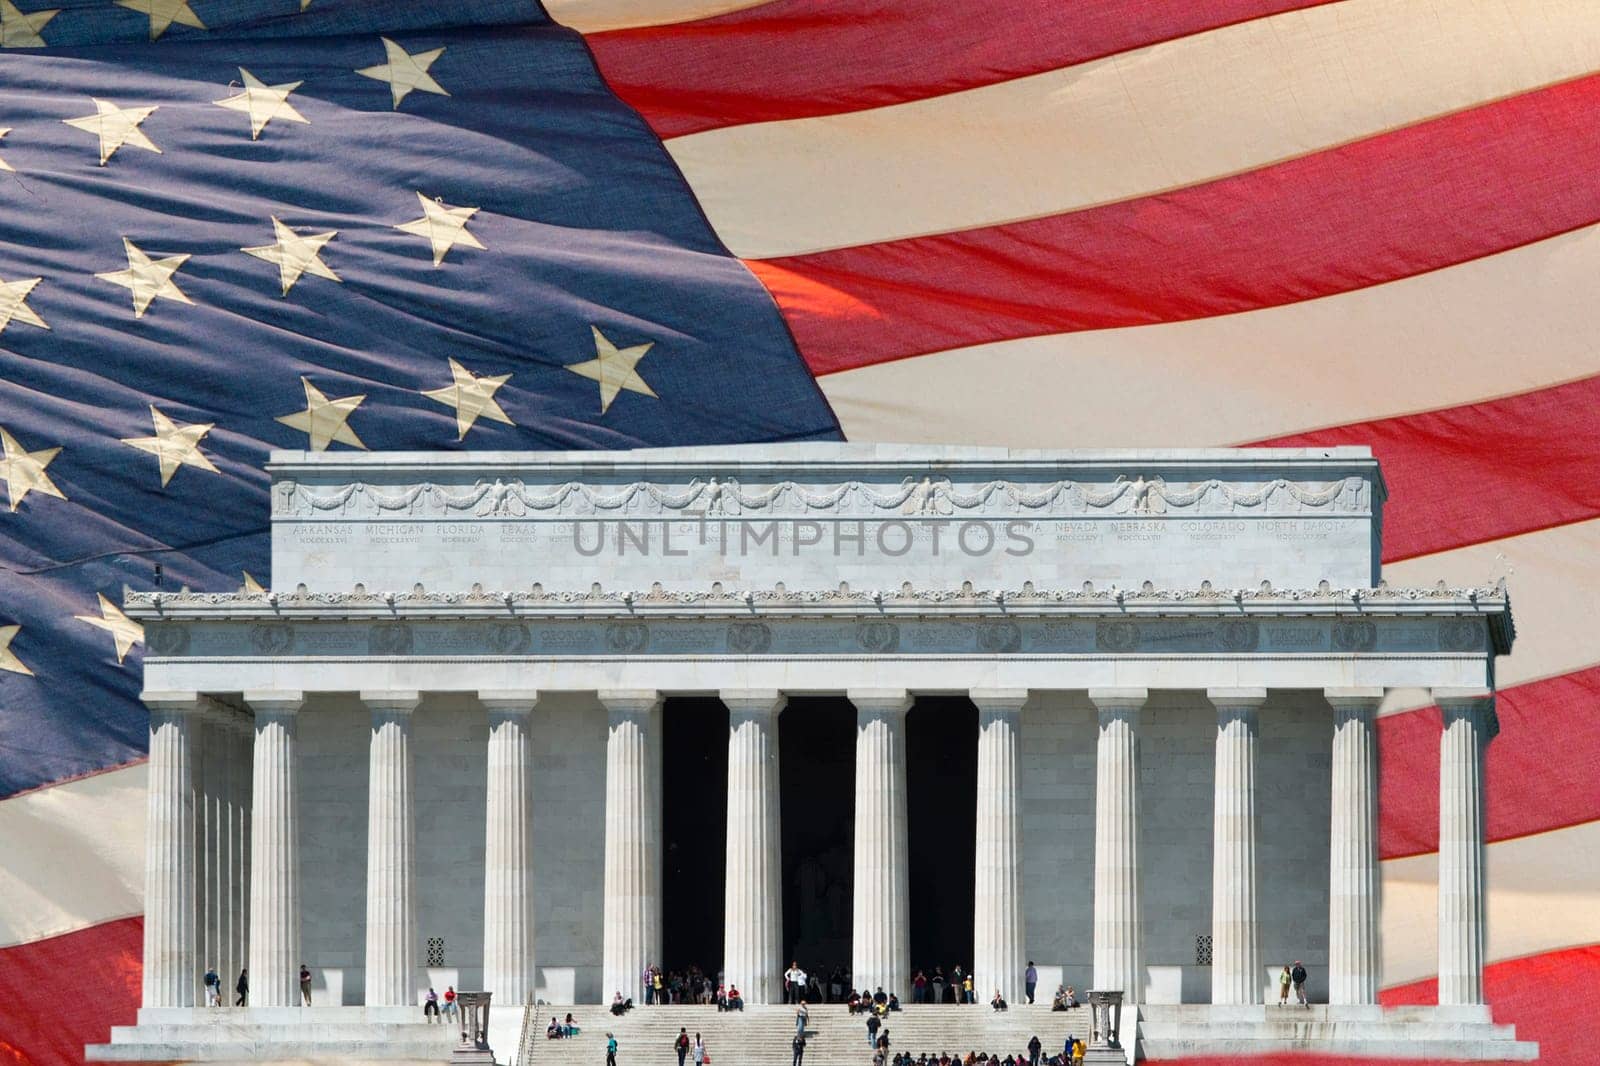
999 1001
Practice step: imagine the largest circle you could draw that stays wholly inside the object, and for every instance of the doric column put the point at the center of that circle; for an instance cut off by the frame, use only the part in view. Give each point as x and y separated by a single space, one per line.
1236 975
997 936
171 973
1118 951
391 851
880 935
241 740
508 969
1354 881
753 909
213 869
632 913
274 853
1469 724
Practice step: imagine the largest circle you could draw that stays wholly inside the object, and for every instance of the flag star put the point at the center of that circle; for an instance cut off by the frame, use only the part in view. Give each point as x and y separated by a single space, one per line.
3 164
251 585
323 420
23 471
263 102
614 369
174 445
164 13
147 278
125 632
443 225
115 126
19 30
14 303
471 396
8 658
295 255
405 71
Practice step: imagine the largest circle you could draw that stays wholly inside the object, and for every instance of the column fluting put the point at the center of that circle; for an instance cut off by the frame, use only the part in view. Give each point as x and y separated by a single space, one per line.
213 869
632 905
998 943
1236 975
1469 723
753 908
1118 948
170 970
391 960
1355 884
880 936
508 964
241 741
274 852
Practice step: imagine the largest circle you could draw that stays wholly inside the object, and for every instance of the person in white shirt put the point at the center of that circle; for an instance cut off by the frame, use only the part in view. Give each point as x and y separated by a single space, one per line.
794 983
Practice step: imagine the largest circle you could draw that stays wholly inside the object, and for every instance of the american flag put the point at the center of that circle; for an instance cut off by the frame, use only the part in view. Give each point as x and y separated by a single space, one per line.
233 225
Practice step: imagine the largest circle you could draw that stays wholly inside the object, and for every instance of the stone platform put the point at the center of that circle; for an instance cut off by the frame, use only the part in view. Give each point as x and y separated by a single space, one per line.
224 1034
1463 1033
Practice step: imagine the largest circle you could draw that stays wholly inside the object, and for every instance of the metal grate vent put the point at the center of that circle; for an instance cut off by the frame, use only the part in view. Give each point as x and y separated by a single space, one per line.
436 950
1202 950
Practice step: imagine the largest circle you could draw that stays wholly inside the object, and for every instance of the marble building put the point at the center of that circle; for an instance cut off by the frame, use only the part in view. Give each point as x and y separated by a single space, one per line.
447 745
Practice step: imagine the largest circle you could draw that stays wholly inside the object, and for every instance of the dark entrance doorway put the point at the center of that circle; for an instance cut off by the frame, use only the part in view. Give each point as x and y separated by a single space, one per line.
817 773
942 820
694 781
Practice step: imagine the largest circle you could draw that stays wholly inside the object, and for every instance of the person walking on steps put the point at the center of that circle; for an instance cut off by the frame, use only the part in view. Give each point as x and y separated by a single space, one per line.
1030 981
701 1055
872 1029
1034 1048
801 1017
681 1045
242 987
1299 975
799 1048
611 1050
213 985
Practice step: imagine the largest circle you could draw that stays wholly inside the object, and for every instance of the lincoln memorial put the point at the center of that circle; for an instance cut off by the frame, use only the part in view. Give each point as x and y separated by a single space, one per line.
532 722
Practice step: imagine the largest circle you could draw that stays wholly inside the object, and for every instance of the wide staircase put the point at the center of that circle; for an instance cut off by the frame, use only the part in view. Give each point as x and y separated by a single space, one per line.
762 1036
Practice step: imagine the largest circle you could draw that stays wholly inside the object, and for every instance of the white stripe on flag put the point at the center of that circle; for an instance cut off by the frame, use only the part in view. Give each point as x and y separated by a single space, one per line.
593 16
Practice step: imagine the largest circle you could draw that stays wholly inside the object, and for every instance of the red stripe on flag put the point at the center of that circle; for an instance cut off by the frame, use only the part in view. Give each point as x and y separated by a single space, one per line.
59 994
1482 471
1539 772
1402 203
799 58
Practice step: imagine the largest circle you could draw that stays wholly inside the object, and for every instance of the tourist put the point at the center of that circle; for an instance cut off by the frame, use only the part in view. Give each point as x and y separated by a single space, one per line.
242 986
998 1002
619 1006
213 985
660 985
801 1017
836 985
1034 1048
966 987
1072 997
794 982
883 1042
611 1050
1299 975
853 1004
699 1049
1079 1049
938 984
430 1007
735 1000
450 1002
551 1031
305 984
893 1004
872 1028
681 1044
1059 1001
956 985
1030 981
1284 980
570 1028
799 1046
919 988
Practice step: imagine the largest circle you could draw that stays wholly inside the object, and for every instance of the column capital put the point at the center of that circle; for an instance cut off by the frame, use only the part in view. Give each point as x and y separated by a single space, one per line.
398 701
998 699
1119 699
630 701
1353 699
753 701
275 701
880 700
1458 702
509 701
1236 699
174 703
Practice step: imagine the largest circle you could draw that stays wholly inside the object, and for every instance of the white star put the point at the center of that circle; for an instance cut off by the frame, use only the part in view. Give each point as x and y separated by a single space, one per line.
295 255
263 102
251 585
614 369
147 278
18 30
23 471
14 303
174 445
471 396
443 225
405 71
115 126
323 420
125 632
3 164
164 13
8 658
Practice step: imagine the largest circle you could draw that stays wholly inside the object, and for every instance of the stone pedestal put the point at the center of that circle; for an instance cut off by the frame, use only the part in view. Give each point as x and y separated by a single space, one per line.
998 944
880 929
274 854
1354 881
632 938
1118 954
1236 975
473 1047
1469 722
391 852
508 966
171 971
753 908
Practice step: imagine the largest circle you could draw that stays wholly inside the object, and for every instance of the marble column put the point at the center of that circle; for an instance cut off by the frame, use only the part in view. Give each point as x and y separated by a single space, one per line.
1236 974
880 936
274 852
171 971
212 866
391 962
240 735
508 969
1469 723
1354 881
753 910
998 947
1118 950
632 905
